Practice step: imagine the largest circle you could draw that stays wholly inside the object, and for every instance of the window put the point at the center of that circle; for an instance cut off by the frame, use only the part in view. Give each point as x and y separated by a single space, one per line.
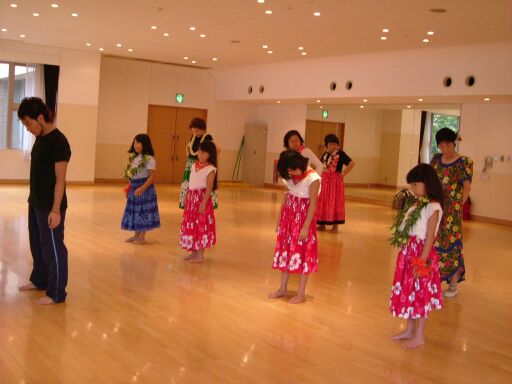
12 91
440 121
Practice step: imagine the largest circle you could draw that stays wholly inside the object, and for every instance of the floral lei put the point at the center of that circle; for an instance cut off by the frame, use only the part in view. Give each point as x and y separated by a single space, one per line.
401 237
130 171
191 143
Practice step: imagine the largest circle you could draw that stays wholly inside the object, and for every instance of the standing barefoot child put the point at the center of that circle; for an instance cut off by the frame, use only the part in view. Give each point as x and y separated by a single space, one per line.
141 212
331 202
296 247
198 226
416 286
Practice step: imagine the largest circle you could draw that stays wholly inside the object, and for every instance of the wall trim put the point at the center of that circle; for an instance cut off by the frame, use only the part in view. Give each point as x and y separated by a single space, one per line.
490 220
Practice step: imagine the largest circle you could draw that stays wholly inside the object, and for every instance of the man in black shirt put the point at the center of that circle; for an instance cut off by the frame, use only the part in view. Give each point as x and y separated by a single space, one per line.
47 202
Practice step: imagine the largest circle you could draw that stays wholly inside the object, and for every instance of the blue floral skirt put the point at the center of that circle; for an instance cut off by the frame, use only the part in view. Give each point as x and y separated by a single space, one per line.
141 213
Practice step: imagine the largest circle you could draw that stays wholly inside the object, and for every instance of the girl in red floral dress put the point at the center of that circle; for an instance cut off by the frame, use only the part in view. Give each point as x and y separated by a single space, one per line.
198 225
296 247
331 202
416 287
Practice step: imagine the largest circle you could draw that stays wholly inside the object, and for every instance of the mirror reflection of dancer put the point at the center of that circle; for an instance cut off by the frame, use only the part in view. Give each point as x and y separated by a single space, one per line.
296 249
199 135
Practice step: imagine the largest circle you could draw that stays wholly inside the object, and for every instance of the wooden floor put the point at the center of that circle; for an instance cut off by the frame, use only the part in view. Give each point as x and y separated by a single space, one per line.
139 314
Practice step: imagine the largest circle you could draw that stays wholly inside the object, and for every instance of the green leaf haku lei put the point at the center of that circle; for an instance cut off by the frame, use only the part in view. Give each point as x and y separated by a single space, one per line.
129 172
400 237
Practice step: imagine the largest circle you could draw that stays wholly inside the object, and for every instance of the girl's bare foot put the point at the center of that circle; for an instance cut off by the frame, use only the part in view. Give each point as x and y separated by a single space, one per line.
297 299
28 287
414 343
199 258
405 335
131 239
44 301
334 228
191 256
139 240
277 294
321 227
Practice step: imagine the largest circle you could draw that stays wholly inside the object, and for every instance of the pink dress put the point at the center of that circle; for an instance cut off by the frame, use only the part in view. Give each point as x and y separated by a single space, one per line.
291 254
198 230
415 297
331 202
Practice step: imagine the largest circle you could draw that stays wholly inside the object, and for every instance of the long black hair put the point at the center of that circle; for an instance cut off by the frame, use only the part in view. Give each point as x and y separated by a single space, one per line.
291 159
147 148
426 174
210 148
289 135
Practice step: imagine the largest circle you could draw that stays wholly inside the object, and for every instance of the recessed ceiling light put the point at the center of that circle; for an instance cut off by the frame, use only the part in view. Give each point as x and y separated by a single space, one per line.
321 107
268 12
215 59
408 106
385 30
193 61
35 14
22 36
185 58
4 29
119 45
318 101
431 33
261 1
202 35
426 40
264 46
101 49
88 44
55 5
383 38
130 50
74 14
361 106
420 99
304 53
365 100
154 27
192 28
14 5
270 52
316 13
486 99
278 101
301 48
166 34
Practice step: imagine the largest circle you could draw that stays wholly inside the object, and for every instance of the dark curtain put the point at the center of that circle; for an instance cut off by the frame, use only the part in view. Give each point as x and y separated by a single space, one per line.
51 87
422 132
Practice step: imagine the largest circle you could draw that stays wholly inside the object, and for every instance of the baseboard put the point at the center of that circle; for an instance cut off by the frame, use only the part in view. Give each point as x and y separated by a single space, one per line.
110 181
368 200
273 186
14 181
373 185
79 183
490 220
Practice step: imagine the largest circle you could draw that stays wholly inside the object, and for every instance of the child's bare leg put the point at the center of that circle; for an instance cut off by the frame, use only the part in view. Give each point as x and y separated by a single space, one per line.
321 227
198 258
301 293
141 239
408 333
133 238
419 336
191 256
334 228
282 291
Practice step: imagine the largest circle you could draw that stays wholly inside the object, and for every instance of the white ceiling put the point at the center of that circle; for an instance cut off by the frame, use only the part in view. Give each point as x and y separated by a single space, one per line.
344 27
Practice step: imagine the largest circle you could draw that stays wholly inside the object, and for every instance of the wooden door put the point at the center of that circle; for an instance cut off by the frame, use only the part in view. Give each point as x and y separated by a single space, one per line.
182 136
254 154
161 127
314 139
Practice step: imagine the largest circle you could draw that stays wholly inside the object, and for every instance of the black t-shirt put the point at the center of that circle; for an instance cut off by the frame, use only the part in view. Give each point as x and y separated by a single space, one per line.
197 140
343 160
47 150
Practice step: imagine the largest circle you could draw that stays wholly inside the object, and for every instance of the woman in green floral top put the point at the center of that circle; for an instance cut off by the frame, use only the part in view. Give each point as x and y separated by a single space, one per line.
455 173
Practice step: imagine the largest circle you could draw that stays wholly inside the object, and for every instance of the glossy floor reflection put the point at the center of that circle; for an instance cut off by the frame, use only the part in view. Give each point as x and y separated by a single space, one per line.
139 314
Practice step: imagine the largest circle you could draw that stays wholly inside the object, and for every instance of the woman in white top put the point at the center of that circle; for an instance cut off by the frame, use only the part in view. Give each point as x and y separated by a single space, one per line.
296 246
417 283
141 212
293 140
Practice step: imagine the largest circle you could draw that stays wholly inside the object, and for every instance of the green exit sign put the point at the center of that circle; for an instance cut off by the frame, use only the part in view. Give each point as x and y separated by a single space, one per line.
325 114
180 97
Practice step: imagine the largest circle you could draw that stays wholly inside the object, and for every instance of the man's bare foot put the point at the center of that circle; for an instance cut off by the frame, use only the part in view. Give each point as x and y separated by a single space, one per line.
131 239
277 294
405 335
28 287
44 301
414 343
321 227
297 299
